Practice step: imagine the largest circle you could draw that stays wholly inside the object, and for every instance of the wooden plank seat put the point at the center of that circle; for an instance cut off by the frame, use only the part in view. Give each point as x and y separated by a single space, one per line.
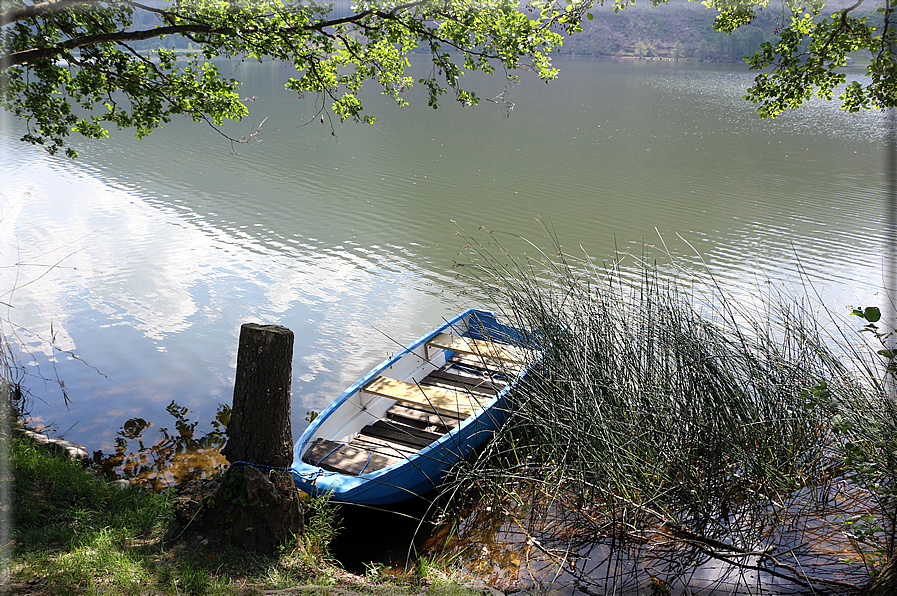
448 401
479 347
456 390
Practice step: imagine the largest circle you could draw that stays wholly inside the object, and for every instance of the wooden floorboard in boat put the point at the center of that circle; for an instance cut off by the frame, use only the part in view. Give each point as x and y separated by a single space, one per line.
384 446
413 437
507 369
421 417
481 394
468 378
347 459
403 434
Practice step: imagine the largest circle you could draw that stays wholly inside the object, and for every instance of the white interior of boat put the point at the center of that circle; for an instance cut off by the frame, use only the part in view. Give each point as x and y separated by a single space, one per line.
363 407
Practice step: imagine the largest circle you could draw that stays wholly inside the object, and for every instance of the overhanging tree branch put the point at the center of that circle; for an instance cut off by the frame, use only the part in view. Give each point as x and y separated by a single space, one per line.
337 54
36 10
35 54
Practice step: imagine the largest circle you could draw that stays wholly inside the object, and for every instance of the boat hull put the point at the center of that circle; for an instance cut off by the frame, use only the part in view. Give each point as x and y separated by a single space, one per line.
336 430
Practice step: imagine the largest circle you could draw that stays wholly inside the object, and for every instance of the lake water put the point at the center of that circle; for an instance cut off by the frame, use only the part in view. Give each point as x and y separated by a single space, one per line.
143 258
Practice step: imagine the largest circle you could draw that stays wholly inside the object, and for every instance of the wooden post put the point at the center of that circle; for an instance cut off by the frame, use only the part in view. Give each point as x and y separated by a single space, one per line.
259 431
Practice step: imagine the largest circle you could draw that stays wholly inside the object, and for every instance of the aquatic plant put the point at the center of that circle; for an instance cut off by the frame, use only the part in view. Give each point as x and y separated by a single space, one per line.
671 417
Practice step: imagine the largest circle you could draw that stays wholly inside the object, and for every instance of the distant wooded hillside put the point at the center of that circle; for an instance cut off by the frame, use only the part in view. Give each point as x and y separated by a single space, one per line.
677 30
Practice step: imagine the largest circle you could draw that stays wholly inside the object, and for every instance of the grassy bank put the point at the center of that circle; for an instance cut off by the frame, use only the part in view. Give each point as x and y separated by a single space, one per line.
75 534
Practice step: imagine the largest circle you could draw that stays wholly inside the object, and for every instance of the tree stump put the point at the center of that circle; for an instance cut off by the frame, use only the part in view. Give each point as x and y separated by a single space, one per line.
883 584
259 431
258 509
273 514
254 510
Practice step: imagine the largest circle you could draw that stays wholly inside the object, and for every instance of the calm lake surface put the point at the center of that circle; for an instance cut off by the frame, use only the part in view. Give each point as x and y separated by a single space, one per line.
143 258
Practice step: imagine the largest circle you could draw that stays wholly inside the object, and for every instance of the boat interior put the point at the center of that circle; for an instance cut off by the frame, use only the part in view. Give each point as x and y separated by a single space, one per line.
396 416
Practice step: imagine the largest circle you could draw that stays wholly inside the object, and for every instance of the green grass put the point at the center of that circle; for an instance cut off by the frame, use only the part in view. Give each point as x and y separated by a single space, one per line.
77 535
78 505
74 533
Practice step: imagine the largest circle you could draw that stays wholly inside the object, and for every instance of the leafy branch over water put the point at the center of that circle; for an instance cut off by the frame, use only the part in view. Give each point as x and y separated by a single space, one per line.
671 416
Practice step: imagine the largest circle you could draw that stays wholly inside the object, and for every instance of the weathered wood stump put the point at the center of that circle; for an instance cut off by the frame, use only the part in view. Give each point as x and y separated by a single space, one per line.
259 431
256 508
274 512
883 584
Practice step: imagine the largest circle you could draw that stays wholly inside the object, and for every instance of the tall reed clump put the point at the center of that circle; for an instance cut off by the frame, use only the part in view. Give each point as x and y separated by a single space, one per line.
663 407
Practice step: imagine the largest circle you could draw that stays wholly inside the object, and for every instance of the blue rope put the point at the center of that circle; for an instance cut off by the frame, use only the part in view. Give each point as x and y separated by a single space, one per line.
291 471
261 467
329 454
365 465
307 477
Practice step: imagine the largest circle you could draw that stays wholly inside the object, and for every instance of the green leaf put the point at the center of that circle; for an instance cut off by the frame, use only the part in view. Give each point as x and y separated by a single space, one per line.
872 314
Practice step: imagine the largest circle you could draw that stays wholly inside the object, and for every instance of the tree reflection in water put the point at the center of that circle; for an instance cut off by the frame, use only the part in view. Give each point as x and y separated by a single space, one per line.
173 459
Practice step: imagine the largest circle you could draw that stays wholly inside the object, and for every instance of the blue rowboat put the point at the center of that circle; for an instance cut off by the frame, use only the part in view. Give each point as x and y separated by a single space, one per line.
396 432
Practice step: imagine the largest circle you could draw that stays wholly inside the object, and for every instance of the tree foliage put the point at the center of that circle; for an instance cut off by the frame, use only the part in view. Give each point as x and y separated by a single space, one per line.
813 43
83 66
59 55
